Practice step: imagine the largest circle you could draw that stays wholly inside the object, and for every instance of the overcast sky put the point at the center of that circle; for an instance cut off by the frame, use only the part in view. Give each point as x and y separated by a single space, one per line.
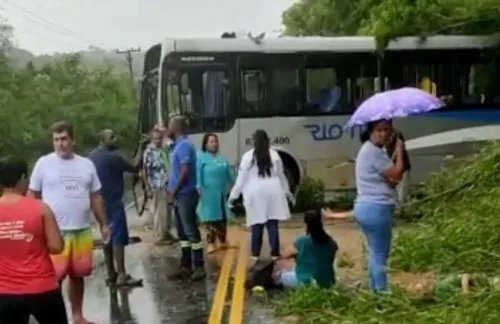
46 26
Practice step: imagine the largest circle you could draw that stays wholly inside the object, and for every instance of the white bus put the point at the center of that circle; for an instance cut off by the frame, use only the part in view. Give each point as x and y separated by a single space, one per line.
303 90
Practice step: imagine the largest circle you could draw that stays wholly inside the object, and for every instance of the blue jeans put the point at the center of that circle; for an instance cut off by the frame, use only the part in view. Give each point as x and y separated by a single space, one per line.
288 279
186 222
375 221
272 234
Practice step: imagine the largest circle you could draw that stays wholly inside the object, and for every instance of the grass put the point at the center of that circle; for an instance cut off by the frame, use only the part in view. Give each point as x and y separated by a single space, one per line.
456 230
317 306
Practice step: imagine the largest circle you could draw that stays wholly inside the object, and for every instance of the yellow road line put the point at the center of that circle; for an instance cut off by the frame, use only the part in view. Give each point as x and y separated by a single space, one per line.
221 289
238 298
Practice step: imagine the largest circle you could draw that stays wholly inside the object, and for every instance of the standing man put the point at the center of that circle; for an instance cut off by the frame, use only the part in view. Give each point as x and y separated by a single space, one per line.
110 167
403 187
183 194
156 169
69 185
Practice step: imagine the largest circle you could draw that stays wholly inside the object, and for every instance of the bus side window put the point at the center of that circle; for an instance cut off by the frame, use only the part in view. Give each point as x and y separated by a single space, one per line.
323 92
285 91
253 89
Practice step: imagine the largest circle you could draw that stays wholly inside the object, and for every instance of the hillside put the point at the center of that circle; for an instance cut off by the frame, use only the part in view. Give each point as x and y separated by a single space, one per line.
92 58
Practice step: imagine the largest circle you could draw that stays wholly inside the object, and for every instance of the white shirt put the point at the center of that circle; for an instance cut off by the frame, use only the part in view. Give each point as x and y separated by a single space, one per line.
264 198
66 185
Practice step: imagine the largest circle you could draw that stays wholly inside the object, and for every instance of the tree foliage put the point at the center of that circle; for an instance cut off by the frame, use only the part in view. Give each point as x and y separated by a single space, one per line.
392 18
31 99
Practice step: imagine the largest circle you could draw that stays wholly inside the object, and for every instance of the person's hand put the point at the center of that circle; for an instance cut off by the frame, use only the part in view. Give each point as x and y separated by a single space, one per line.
290 198
144 140
105 233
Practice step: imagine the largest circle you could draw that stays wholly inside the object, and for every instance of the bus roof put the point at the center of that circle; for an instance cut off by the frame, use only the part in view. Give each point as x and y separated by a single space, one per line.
323 44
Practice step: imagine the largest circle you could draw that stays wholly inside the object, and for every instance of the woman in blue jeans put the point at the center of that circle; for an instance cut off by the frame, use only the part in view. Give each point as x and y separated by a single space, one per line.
376 179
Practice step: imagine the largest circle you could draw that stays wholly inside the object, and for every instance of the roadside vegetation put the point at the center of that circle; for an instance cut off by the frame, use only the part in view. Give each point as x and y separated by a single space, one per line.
451 225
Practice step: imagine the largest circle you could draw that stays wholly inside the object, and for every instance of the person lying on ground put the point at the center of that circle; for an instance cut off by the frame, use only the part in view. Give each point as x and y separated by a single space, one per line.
314 254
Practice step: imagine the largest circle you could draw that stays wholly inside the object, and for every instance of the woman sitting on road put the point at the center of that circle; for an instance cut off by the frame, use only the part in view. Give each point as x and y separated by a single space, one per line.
214 176
314 254
28 234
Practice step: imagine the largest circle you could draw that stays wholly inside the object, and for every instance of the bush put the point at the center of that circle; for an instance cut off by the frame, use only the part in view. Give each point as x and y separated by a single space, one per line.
311 195
460 227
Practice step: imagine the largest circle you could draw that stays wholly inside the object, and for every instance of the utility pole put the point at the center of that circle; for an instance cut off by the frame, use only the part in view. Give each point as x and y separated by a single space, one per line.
128 55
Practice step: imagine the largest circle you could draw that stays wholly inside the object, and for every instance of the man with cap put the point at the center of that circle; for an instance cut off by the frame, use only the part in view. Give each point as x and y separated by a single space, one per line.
110 167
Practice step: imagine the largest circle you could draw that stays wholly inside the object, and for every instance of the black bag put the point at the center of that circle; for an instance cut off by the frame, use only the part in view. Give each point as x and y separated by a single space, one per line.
261 275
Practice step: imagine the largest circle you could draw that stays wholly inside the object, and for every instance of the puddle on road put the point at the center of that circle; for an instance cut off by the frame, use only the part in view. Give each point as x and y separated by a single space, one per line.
158 302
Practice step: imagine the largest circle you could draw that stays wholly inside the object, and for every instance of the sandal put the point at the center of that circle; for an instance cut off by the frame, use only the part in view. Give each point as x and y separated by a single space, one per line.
128 280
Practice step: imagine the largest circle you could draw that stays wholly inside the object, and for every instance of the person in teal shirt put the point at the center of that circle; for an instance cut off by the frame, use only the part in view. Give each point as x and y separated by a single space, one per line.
215 176
314 255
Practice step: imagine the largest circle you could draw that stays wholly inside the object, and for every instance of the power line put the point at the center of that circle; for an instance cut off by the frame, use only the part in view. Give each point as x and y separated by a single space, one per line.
49 23
128 56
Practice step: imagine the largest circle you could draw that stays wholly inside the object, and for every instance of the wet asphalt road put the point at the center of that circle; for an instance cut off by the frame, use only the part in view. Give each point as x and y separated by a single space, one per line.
158 301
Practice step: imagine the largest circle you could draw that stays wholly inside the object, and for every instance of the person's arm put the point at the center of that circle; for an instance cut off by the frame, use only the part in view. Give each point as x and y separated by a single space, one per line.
184 153
241 178
36 180
327 213
199 172
53 237
96 201
395 172
392 171
125 165
289 252
145 166
231 175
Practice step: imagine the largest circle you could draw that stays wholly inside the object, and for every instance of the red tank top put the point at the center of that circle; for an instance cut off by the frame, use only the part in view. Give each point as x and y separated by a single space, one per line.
25 265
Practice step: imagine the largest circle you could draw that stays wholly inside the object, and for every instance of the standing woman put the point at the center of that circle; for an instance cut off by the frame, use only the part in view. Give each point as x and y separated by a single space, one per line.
376 180
261 180
215 176
28 235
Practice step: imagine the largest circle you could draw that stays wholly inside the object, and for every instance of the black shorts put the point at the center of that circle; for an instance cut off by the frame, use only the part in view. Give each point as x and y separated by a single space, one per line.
46 308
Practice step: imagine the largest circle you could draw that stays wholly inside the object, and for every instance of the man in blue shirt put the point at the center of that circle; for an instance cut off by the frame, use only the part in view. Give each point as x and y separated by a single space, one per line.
182 193
110 166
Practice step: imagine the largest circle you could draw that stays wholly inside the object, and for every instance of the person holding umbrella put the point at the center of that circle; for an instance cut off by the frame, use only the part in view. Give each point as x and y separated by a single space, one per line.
377 175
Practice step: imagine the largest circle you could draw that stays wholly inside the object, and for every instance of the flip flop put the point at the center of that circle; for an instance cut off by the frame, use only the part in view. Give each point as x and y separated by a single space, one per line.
129 282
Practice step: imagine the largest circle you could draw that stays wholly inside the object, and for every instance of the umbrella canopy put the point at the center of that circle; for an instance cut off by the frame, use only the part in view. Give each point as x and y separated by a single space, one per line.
394 103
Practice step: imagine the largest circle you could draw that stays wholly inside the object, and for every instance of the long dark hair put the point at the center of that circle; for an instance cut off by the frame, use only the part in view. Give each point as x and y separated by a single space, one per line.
205 139
314 227
261 154
365 135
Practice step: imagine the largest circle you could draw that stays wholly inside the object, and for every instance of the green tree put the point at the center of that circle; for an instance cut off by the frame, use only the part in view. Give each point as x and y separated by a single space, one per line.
392 18
31 99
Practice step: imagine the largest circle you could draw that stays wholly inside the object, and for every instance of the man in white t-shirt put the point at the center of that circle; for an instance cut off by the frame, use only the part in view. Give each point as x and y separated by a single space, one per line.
69 185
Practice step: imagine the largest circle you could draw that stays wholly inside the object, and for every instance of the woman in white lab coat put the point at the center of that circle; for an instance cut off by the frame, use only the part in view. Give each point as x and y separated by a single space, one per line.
261 180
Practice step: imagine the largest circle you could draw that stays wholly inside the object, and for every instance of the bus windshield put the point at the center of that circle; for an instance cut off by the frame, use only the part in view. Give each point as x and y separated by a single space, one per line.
200 94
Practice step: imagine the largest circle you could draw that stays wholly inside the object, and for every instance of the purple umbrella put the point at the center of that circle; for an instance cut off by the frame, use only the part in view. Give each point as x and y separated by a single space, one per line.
394 103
